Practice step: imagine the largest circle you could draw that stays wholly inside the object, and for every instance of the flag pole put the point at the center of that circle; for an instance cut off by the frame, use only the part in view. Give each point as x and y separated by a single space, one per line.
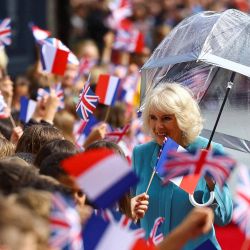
151 179
154 171
107 114
12 121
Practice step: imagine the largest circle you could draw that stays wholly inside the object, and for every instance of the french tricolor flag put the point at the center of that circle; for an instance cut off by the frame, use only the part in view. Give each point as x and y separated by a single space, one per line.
99 234
27 109
54 60
106 89
102 174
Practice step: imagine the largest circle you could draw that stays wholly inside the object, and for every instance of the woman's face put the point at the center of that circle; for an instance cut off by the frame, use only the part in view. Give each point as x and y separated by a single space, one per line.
164 125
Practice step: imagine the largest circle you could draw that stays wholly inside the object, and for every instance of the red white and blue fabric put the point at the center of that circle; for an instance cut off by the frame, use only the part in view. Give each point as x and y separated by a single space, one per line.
203 163
168 146
99 234
128 88
55 56
241 212
105 176
156 236
82 129
129 40
5 32
120 9
87 102
54 60
45 92
117 135
27 109
123 221
106 89
84 68
3 108
38 33
58 44
65 225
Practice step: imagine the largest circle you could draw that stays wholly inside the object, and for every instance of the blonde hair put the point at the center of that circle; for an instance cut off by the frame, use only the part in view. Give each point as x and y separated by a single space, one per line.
3 59
172 98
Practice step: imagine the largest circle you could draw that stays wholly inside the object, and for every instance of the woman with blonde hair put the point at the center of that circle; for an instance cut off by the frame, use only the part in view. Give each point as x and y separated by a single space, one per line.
171 111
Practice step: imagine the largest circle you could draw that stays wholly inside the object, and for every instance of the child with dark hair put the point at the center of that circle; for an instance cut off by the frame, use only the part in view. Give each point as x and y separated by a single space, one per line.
52 147
14 177
124 202
35 137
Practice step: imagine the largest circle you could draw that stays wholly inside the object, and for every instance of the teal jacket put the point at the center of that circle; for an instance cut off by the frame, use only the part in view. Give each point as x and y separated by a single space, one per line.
170 201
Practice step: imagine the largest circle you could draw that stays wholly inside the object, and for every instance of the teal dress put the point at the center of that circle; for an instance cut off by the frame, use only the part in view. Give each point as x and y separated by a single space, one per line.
170 201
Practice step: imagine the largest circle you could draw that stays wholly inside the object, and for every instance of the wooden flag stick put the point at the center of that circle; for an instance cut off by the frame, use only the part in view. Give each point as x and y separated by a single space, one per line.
150 181
154 171
12 121
107 114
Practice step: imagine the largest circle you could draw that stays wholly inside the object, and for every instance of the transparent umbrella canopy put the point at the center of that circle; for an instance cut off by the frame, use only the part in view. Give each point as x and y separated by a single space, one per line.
204 52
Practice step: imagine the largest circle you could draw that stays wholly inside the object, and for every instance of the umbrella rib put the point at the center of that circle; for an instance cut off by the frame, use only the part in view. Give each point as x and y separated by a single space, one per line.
209 84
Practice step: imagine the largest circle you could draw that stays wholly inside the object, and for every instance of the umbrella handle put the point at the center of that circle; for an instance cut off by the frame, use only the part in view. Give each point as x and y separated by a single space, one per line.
196 204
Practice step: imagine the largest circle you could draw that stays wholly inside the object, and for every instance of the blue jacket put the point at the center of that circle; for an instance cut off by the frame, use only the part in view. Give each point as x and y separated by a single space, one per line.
170 201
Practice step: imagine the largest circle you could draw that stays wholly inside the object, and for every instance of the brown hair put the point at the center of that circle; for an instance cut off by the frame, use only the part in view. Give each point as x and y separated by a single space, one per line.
6 148
35 137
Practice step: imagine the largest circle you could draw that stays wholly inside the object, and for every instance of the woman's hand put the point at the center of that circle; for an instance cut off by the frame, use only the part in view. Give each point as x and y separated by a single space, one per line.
139 206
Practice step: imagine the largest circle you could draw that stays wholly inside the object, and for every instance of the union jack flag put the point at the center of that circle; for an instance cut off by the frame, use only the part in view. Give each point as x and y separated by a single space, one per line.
118 134
130 40
3 108
203 163
241 212
87 102
5 32
120 10
84 68
65 225
44 92
155 236
83 128
123 221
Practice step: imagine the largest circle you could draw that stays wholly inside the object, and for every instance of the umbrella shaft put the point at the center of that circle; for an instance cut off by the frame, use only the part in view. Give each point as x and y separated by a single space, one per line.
221 108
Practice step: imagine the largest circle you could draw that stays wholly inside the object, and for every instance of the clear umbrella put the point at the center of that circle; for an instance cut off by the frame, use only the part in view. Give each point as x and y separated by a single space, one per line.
205 52
202 52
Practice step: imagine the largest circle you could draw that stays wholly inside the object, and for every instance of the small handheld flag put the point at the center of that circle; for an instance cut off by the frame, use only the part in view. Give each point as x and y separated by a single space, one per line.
168 145
38 33
203 163
102 174
27 109
102 235
5 32
106 89
87 102
241 212
64 224
118 134
45 92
